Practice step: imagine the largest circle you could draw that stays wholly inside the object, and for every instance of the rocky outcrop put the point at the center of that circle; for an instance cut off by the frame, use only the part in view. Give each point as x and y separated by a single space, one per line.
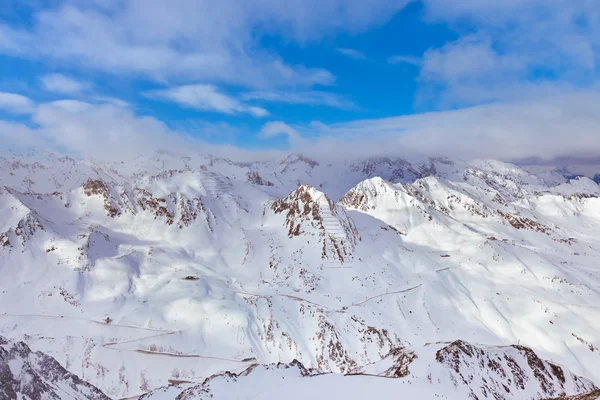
297 159
395 169
308 211
255 178
97 187
174 208
22 233
508 372
156 205
593 395
467 371
36 376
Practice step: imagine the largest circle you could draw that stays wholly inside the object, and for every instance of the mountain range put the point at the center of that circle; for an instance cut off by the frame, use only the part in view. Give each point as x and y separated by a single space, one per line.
192 276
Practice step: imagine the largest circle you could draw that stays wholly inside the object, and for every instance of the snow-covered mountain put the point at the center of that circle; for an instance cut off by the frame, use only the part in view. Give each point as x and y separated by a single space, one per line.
37 376
172 268
457 370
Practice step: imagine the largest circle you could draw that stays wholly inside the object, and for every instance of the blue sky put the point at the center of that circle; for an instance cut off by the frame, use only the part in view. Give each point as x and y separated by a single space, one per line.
274 74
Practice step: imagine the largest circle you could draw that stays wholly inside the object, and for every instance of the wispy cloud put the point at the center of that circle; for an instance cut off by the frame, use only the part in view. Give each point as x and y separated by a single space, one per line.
404 59
278 128
313 97
99 129
214 41
16 103
206 98
111 132
565 125
559 126
352 53
58 83
111 100
511 47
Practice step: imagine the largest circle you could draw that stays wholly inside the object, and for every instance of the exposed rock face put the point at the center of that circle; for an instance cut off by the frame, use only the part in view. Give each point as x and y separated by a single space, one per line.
204 390
255 178
399 168
310 212
300 206
156 205
594 395
400 367
508 372
4 240
36 376
297 159
524 223
174 208
22 231
463 369
100 188
430 197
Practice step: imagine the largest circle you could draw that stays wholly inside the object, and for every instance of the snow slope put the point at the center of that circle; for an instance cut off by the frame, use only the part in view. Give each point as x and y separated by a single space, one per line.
173 267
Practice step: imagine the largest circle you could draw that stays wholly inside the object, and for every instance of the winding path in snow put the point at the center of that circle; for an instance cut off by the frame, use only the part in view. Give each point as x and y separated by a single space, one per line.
107 345
325 307
282 295
178 355
84 319
384 294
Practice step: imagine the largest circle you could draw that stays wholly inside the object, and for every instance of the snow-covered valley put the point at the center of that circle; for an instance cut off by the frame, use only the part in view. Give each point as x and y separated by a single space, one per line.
148 276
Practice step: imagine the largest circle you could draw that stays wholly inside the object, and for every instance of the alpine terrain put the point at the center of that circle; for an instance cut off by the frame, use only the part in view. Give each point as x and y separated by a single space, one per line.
189 276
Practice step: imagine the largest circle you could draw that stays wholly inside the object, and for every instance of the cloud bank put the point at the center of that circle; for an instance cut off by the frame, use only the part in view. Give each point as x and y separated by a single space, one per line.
559 127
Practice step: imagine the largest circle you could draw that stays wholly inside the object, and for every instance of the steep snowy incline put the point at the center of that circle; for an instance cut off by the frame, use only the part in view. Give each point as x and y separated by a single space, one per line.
518 270
177 268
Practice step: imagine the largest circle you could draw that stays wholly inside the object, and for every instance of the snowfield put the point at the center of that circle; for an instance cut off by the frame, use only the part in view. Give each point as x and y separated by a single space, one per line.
380 277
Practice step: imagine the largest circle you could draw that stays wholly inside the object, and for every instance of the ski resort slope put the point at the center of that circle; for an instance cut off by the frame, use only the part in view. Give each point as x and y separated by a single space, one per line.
173 268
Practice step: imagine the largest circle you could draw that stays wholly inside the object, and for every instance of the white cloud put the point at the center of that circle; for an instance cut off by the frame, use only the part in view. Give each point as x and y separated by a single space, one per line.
352 53
217 132
466 58
112 132
256 111
470 70
404 59
559 126
62 84
16 103
16 42
15 136
279 128
101 130
206 98
313 97
112 100
70 106
512 46
175 40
